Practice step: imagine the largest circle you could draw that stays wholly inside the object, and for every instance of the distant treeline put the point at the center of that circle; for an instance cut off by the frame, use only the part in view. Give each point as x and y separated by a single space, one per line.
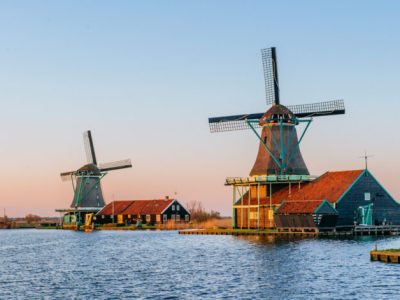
199 214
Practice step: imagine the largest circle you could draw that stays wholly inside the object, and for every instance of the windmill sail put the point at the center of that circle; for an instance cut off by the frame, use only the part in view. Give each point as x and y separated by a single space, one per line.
335 107
270 75
65 176
89 148
239 122
116 165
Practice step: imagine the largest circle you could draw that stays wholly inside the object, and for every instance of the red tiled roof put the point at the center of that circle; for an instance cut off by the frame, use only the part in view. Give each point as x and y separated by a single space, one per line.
329 186
147 207
299 207
115 207
134 207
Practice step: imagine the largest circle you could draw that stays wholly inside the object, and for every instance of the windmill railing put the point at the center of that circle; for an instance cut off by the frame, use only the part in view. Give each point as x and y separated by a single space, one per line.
268 179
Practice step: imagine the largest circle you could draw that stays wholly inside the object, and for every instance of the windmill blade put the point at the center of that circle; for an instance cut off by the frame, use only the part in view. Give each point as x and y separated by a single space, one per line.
232 123
335 107
66 176
89 147
270 75
116 165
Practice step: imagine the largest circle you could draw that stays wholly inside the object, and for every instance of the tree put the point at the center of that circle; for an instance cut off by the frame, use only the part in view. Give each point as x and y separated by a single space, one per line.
199 214
31 218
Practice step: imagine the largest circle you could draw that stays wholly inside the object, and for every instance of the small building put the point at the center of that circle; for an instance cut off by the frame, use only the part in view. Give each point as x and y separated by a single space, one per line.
146 211
313 215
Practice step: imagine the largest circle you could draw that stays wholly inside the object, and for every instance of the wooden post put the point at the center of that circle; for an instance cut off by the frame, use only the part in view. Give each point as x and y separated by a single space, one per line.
270 204
258 207
233 208
241 217
248 209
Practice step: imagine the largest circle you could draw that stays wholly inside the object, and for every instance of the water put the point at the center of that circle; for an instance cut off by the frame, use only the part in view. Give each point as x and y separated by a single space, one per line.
51 264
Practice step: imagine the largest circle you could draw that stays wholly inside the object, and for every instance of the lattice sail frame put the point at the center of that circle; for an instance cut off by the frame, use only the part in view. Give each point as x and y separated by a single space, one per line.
89 148
239 122
270 75
121 164
318 109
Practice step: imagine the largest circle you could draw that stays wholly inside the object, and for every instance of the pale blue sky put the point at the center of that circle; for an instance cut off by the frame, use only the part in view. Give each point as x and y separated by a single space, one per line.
145 76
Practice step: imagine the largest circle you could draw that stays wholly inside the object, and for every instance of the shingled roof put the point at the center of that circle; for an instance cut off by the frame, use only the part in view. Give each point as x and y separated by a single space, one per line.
329 186
306 207
134 207
299 207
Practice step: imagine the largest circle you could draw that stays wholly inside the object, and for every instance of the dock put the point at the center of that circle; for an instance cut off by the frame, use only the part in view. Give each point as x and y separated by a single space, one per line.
309 232
254 232
387 256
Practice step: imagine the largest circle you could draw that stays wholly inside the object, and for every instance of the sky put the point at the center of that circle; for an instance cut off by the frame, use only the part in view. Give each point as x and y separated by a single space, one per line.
145 76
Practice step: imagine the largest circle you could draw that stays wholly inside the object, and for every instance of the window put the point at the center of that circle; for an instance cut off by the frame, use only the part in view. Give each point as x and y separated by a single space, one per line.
165 218
186 218
367 196
173 207
158 218
148 218
270 214
177 207
178 218
253 215
172 217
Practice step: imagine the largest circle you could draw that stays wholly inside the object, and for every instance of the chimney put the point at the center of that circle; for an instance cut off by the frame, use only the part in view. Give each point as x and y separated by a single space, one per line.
167 197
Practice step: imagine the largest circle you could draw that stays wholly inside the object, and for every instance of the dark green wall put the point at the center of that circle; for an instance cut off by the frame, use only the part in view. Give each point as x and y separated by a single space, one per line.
384 207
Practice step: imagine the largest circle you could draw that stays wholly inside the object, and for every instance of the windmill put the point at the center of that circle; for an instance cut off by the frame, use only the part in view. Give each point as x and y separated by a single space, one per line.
88 196
278 152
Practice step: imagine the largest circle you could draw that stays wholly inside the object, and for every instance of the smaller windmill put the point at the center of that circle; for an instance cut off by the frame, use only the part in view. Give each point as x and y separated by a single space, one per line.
88 196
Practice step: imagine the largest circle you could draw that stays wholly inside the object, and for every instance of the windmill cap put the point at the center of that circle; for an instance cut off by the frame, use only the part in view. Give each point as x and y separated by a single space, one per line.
277 113
90 168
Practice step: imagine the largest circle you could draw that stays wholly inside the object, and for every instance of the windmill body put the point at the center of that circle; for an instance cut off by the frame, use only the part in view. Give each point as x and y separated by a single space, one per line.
280 136
86 182
279 161
89 193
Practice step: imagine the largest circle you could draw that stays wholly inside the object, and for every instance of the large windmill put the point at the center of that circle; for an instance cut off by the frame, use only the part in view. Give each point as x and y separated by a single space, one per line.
88 196
279 152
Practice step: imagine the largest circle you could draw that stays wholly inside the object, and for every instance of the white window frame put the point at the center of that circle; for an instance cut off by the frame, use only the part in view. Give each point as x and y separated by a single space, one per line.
177 207
148 218
177 218
173 217
367 196
173 207
186 218
165 218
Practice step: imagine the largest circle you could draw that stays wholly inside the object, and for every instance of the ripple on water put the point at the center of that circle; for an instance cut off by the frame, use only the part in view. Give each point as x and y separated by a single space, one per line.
54 264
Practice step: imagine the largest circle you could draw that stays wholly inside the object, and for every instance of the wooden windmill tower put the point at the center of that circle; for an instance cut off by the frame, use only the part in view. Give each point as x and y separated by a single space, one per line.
279 160
88 196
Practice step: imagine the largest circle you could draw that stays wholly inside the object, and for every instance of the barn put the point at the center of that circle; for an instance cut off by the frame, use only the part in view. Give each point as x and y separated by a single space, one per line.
158 211
311 215
356 195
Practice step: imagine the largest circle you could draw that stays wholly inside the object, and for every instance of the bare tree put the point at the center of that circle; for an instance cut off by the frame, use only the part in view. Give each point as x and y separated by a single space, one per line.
199 214
30 218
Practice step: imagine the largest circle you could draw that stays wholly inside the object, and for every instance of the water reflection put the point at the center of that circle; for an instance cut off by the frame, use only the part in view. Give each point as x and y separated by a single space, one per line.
117 265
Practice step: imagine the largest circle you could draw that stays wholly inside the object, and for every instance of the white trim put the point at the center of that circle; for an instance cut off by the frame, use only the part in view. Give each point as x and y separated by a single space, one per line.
172 202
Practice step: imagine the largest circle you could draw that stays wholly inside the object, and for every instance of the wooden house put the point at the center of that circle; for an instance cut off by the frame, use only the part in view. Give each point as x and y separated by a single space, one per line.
147 211
356 195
